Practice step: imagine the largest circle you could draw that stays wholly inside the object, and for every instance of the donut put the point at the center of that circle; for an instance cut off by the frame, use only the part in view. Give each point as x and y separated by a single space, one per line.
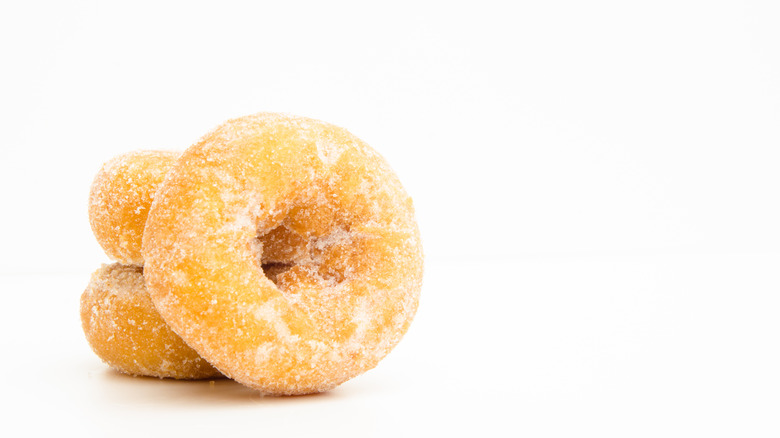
341 294
119 201
125 331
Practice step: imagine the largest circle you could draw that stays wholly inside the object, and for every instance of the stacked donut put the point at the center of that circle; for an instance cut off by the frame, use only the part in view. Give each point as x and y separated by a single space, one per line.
279 251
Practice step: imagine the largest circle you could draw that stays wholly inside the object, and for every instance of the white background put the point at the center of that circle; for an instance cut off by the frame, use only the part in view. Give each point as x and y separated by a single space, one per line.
596 183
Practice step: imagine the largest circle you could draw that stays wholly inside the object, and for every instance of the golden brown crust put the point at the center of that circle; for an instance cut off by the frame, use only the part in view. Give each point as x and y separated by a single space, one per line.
124 329
346 284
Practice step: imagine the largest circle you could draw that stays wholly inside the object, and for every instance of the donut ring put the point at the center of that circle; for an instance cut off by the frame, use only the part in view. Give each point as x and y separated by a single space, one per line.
125 331
119 201
351 287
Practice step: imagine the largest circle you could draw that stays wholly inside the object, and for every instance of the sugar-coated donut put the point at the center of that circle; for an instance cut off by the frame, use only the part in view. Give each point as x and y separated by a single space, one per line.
347 286
124 329
119 201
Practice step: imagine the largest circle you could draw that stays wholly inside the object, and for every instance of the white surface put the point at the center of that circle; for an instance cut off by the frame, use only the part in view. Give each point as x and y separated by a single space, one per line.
602 177
564 346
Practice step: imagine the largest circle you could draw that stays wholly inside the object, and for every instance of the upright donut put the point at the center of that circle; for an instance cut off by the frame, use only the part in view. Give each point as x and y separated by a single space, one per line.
119 201
348 285
124 329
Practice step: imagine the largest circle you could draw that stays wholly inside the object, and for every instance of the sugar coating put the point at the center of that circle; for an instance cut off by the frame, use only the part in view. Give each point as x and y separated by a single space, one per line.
119 201
122 193
337 296
124 329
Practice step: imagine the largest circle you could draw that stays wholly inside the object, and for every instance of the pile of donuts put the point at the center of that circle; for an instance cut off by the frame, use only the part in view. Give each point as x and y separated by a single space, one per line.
278 251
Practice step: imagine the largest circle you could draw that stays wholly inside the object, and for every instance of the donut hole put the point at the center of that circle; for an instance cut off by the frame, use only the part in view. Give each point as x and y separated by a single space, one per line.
270 269
293 262
282 245
273 270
